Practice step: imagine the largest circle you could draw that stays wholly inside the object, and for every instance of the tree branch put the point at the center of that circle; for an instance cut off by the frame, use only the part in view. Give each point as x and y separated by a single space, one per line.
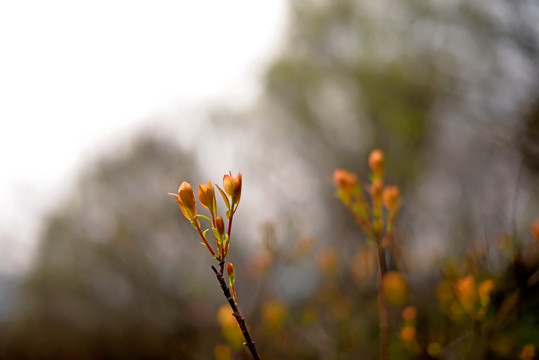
236 312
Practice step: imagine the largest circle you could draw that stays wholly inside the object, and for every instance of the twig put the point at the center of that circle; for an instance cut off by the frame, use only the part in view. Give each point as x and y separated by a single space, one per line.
236 312
382 304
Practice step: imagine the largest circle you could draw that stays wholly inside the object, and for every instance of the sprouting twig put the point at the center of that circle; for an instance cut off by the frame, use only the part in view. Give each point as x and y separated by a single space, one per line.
382 304
236 312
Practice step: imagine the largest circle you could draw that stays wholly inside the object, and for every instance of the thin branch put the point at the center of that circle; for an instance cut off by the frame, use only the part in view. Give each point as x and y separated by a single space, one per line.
236 312
382 304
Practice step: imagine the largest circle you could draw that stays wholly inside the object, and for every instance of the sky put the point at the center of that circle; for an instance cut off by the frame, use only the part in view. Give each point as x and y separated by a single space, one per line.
74 75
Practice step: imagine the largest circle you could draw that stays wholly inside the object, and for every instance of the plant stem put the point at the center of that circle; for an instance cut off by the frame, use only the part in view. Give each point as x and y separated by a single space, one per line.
382 304
236 312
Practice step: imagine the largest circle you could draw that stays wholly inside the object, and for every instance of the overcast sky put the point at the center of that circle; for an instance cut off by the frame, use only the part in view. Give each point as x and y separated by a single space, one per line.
73 73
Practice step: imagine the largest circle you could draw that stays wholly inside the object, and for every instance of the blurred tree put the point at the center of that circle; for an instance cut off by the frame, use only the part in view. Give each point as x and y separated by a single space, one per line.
114 268
442 87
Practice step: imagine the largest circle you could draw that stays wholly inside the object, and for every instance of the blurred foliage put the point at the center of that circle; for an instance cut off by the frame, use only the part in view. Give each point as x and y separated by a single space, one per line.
448 89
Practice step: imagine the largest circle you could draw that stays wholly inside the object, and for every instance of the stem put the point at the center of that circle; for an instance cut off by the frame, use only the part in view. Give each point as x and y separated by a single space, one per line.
382 304
204 239
236 312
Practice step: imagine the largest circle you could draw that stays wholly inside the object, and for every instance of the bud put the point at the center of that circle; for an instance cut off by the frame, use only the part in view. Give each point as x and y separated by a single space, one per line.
376 161
376 189
222 352
230 269
231 279
408 333
535 230
528 352
232 187
186 201
343 179
466 292
485 288
409 314
220 225
206 195
395 287
274 313
391 196
434 349
328 261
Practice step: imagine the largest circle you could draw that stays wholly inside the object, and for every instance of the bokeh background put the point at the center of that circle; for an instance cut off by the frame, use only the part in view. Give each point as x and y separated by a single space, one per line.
106 107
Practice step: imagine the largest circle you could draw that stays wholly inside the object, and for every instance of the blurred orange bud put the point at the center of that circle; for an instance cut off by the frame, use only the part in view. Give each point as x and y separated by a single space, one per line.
528 352
327 260
408 333
260 262
362 265
230 328
501 345
274 313
535 230
391 196
395 287
232 187
225 317
376 161
434 349
485 288
220 225
231 279
465 292
186 201
376 189
304 244
222 352
310 316
409 314
230 269
206 195
343 179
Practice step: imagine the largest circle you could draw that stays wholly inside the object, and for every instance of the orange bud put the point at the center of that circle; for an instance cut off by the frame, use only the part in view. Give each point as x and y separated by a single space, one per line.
230 269
395 287
376 189
220 225
186 201
343 179
391 196
237 187
485 288
528 352
408 333
535 230
222 352
466 292
206 195
376 161
409 314
328 260
231 280
232 187
434 349
274 313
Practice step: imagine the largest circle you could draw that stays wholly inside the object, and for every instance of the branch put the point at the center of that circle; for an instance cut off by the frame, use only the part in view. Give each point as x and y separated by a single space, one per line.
382 304
236 312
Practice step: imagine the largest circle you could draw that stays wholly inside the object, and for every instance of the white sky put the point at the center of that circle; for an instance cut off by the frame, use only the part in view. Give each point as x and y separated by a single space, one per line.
74 72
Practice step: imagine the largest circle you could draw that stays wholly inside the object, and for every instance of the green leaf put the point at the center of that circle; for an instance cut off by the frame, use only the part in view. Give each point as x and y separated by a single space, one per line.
204 233
225 198
204 217
216 233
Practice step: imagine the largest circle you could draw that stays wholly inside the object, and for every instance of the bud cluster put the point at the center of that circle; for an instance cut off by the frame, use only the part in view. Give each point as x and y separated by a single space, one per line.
369 215
206 195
